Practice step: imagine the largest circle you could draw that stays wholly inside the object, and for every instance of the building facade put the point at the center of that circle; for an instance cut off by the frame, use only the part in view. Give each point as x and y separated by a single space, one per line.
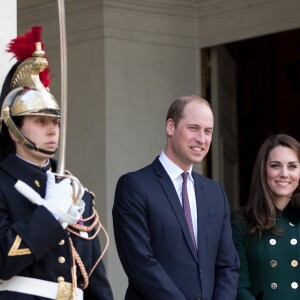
127 60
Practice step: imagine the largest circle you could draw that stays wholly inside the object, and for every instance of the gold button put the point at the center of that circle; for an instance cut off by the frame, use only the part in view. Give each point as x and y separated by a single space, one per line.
273 285
60 278
272 242
61 259
294 263
273 263
62 242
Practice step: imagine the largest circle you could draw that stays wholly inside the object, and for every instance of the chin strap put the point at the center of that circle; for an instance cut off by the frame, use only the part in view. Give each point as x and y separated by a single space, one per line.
23 139
31 145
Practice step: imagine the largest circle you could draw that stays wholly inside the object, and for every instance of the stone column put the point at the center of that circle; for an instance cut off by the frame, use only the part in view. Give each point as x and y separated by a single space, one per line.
8 30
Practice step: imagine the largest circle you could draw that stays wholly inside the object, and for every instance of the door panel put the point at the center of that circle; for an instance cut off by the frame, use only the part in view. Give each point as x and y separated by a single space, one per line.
225 138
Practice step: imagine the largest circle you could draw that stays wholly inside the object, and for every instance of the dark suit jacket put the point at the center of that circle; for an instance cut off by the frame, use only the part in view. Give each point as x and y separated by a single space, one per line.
154 244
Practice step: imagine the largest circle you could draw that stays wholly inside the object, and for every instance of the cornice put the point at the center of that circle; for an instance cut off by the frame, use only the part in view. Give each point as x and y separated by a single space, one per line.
37 10
168 8
163 22
186 23
45 13
168 22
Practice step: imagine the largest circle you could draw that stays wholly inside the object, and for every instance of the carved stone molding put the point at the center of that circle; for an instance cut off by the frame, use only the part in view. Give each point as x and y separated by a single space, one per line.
183 23
168 22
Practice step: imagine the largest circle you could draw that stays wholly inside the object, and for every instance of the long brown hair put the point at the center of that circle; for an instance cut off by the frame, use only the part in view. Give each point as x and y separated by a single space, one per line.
260 208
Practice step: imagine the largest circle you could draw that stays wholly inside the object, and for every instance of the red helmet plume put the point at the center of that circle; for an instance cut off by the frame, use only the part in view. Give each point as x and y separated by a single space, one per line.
24 46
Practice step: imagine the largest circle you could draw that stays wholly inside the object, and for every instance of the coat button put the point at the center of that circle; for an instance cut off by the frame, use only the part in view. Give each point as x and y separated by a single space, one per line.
273 263
294 263
294 285
291 224
273 285
61 259
61 243
272 242
293 242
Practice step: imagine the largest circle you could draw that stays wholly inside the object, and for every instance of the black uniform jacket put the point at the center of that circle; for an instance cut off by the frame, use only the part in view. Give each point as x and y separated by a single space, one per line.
34 244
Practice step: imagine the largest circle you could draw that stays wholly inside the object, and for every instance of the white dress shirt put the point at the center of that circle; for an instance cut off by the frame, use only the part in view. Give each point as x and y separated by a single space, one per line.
174 173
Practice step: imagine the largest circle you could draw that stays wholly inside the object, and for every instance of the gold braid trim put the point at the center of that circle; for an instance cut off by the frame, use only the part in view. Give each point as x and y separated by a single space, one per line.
76 256
73 270
81 266
103 251
87 228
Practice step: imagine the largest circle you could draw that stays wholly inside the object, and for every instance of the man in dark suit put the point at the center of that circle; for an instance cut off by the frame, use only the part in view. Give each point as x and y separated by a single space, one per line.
166 254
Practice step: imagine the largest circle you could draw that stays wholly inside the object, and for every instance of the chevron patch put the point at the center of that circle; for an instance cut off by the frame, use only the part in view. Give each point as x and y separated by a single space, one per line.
15 250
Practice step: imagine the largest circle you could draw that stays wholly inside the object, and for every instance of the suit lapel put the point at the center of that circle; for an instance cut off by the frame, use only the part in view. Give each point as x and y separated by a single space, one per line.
169 189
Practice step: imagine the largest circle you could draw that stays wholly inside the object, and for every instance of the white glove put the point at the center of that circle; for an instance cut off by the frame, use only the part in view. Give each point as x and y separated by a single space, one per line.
77 210
59 194
60 211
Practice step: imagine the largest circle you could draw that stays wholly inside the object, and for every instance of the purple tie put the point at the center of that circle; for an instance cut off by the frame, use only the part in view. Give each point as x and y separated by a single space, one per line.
186 206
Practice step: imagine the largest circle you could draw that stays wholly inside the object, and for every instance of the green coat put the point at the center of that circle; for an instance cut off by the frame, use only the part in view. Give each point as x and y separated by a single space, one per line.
270 265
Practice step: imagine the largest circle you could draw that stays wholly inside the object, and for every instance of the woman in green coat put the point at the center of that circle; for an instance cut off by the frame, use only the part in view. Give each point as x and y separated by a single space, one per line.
266 232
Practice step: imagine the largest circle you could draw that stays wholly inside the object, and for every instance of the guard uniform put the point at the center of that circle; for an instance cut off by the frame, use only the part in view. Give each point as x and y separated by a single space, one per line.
44 253
35 245
270 267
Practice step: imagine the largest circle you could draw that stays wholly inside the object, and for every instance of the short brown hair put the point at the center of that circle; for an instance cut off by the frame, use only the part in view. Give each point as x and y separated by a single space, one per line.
175 111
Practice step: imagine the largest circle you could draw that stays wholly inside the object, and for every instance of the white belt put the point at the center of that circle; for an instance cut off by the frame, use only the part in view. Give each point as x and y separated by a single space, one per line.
33 286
